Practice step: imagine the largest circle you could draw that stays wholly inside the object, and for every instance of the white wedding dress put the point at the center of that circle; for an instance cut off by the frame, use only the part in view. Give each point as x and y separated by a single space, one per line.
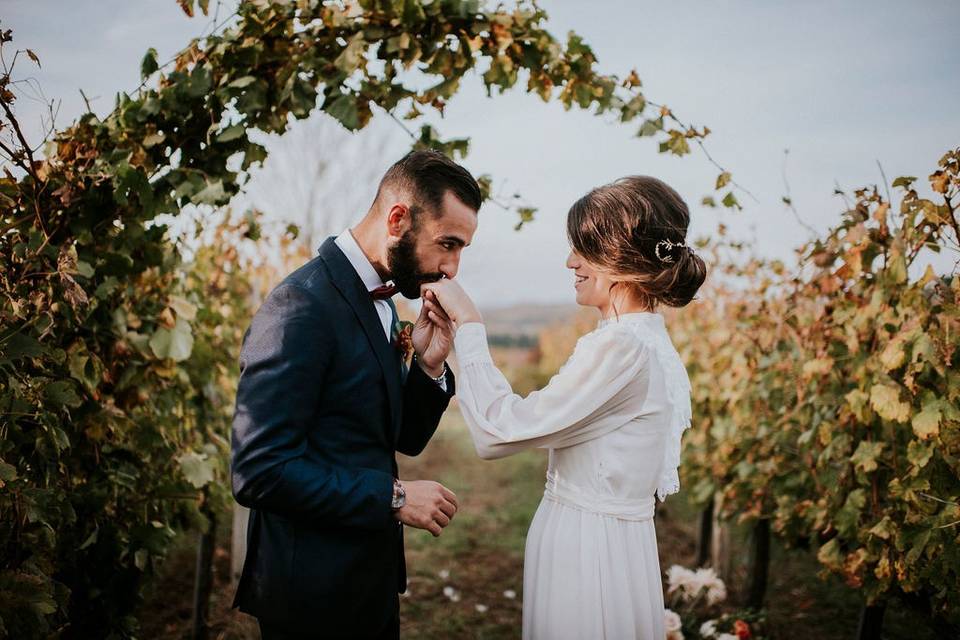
612 420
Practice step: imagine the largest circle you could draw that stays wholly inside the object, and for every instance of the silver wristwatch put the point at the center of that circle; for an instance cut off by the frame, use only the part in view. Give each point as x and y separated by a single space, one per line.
440 379
399 495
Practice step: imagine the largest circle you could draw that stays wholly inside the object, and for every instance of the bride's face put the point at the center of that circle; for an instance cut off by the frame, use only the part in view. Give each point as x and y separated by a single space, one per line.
592 286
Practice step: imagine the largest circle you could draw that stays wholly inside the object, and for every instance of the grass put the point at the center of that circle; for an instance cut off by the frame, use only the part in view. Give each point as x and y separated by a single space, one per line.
480 556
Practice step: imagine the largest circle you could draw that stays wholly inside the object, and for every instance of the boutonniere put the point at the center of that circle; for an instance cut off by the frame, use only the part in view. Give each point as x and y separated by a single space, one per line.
403 338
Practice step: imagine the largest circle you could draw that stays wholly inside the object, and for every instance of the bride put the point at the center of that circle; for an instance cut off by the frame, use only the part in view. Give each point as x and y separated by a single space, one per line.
611 418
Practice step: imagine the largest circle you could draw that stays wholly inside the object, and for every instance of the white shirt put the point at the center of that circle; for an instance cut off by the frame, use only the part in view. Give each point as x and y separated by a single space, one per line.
371 280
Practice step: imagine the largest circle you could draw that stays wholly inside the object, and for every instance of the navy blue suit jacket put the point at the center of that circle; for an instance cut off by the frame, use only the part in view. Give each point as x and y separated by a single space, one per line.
322 407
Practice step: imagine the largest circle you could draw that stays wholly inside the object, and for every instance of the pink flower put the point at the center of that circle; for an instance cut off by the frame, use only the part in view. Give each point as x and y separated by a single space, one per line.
672 625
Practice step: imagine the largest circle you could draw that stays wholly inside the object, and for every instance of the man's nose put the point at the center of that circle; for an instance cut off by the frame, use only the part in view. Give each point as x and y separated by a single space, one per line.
450 267
571 261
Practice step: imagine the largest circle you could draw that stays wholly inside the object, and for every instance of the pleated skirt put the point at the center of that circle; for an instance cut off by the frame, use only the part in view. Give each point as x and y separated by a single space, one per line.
590 576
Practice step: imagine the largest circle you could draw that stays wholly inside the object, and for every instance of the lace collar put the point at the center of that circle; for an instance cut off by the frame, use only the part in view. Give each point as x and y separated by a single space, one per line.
647 318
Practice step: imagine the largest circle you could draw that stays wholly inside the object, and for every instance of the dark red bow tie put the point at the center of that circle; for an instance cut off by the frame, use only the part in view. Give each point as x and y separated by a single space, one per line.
383 293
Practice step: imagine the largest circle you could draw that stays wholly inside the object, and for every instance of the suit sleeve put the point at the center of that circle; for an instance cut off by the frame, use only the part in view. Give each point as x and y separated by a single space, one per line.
423 405
284 356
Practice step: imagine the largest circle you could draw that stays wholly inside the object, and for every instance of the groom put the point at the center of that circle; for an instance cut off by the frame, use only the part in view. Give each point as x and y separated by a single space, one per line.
326 398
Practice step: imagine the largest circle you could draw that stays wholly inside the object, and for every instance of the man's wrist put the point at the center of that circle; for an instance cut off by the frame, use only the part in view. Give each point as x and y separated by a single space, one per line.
435 372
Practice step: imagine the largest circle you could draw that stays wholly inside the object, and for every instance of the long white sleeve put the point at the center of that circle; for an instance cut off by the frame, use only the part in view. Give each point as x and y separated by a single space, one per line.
596 391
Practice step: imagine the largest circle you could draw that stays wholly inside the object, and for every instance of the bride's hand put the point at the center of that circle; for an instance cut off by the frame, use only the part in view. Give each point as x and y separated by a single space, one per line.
446 299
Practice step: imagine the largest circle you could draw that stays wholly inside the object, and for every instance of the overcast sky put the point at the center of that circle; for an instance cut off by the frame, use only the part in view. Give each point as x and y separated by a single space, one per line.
841 85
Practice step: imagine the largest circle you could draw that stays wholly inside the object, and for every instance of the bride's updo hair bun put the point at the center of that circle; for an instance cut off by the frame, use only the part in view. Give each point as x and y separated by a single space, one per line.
635 230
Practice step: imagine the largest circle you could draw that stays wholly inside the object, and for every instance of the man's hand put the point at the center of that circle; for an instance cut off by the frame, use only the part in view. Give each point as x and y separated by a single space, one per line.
429 505
432 341
455 304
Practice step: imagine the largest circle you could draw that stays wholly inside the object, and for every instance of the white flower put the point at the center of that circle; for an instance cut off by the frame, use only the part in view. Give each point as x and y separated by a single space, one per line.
451 593
702 579
690 584
708 579
481 608
678 577
709 628
716 592
444 574
672 624
727 636
510 594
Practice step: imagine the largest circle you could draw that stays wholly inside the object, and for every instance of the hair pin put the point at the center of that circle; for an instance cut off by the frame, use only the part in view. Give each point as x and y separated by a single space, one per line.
670 246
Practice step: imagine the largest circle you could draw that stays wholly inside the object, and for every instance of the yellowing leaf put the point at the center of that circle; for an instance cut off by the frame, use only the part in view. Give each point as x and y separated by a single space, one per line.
865 457
857 401
829 555
351 56
880 215
939 181
884 529
818 367
184 308
885 400
926 424
893 355
928 276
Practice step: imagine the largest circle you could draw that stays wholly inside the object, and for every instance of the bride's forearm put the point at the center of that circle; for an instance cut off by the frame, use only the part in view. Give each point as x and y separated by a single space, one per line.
469 316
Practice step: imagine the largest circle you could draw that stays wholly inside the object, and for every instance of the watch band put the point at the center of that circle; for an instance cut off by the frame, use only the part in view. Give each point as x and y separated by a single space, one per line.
439 379
399 495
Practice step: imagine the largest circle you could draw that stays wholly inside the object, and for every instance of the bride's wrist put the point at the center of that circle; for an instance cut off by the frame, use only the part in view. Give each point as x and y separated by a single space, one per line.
472 316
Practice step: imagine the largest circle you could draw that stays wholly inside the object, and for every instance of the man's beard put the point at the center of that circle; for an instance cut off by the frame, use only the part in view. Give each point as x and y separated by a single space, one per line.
405 269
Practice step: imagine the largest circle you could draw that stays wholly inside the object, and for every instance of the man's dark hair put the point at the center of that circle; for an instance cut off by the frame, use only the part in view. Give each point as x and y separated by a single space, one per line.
427 176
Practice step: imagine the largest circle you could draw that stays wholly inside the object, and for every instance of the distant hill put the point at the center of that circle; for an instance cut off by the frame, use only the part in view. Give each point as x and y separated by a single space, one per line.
525 320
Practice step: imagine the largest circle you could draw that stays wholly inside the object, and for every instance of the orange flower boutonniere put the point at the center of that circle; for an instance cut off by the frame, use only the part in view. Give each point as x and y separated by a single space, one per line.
403 338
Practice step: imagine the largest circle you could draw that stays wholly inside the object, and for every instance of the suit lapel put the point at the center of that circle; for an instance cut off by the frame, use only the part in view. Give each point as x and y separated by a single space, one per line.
351 287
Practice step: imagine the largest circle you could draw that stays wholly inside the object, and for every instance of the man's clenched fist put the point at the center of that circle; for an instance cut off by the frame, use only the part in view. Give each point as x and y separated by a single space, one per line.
429 505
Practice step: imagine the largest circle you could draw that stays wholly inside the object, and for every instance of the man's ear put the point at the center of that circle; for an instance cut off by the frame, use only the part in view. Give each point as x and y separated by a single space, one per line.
398 220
